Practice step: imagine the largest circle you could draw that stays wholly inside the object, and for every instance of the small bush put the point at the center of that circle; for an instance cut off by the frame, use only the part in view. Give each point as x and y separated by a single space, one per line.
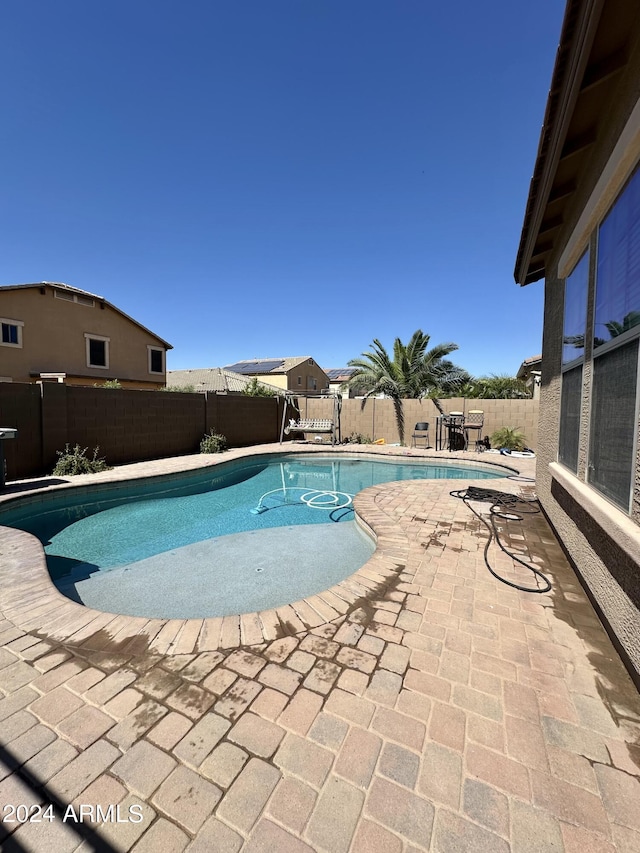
253 388
179 389
76 462
213 443
511 438
108 383
358 438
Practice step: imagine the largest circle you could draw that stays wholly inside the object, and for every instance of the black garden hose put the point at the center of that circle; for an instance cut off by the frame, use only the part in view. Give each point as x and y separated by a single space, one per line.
502 506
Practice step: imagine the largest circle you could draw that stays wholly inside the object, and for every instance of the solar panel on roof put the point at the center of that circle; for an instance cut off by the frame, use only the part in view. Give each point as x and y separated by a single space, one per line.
266 366
248 367
337 373
239 367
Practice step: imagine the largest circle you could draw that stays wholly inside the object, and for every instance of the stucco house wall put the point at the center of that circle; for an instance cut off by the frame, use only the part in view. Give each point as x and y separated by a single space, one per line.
306 376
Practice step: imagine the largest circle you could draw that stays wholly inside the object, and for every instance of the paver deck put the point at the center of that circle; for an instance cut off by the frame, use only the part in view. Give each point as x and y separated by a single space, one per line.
420 705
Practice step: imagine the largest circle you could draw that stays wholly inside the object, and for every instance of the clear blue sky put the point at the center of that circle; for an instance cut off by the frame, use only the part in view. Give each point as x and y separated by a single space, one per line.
280 177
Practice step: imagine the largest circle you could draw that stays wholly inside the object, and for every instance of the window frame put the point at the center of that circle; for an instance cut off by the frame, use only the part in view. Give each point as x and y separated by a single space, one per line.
19 325
89 336
585 257
572 364
634 445
627 191
151 349
563 461
606 348
588 430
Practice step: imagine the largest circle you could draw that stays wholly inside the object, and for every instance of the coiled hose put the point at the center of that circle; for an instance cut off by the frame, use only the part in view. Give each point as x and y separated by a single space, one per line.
503 506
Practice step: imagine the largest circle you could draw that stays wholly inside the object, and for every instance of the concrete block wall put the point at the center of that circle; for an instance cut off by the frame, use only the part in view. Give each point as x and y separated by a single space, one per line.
20 409
133 425
130 426
377 418
126 425
244 420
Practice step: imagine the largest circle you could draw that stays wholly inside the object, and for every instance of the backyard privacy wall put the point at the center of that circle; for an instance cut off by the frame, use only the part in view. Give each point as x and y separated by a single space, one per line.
130 426
377 418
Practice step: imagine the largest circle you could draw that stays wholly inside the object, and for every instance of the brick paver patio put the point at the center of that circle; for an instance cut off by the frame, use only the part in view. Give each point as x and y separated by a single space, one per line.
421 705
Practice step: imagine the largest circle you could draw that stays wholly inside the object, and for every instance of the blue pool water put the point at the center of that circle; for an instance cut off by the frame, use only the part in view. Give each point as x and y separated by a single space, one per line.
201 524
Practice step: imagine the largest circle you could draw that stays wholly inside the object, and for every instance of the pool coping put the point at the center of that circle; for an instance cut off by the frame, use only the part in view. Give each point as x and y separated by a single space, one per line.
30 600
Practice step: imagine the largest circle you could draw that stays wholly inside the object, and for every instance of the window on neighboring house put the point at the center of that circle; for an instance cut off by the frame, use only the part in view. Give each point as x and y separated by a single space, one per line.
97 351
10 332
614 416
312 384
573 338
299 380
156 359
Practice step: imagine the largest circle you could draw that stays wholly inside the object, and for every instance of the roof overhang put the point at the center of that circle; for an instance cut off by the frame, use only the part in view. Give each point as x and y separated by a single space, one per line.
58 285
593 52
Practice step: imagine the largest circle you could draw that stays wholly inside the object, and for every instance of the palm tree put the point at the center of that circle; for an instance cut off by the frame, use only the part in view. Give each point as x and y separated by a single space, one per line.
615 328
496 387
413 372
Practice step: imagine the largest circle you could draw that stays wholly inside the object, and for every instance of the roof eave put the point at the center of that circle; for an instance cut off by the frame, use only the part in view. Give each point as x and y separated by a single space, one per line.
578 30
62 286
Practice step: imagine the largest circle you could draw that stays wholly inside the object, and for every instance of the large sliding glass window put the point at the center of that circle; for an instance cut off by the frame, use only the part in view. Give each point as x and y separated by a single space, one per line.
570 417
575 311
613 423
573 339
618 276
614 416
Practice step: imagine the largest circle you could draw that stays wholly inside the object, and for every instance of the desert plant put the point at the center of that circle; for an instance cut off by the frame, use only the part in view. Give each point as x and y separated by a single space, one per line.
253 388
509 438
496 387
413 372
75 461
182 389
108 383
213 443
358 438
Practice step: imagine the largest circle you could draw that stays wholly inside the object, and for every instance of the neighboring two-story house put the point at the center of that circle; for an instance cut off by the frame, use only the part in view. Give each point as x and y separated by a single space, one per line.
51 331
291 374
581 233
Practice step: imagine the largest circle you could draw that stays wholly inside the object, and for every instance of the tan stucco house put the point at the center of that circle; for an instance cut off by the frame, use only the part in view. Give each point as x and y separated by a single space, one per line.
581 234
53 332
299 373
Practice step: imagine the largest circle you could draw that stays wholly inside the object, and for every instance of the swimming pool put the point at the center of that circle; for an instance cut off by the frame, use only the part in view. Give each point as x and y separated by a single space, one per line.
245 535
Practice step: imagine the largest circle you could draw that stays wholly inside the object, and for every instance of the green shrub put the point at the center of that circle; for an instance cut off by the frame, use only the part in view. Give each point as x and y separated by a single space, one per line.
213 443
253 388
180 389
510 438
76 462
108 383
358 438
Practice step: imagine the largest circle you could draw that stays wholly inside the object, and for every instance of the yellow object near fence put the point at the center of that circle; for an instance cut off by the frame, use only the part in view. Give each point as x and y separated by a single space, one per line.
379 441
